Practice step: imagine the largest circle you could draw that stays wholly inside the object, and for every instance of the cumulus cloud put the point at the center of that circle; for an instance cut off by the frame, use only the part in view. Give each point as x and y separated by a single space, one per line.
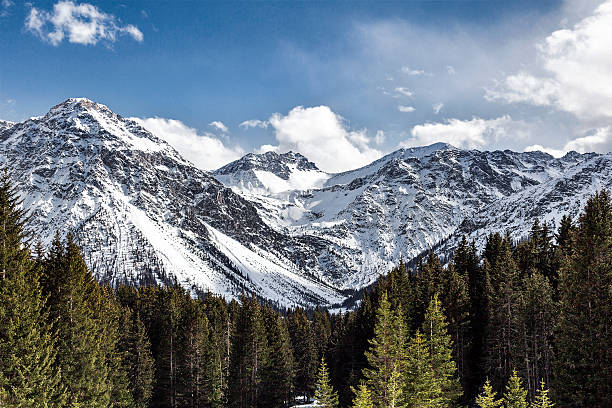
79 23
206 151
405 109
380 137
597 140
471 134
218 125
254 123
576 64
321 135
437 107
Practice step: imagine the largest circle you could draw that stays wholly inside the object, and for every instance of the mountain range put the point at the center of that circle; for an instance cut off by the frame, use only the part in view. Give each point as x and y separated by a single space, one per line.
272 224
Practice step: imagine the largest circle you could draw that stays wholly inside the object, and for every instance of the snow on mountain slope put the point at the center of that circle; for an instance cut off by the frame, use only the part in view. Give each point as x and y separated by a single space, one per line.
403 203
565 194
143 214
5 124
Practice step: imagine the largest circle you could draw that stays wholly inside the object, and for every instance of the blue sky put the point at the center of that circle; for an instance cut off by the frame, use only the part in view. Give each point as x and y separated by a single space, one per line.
371 76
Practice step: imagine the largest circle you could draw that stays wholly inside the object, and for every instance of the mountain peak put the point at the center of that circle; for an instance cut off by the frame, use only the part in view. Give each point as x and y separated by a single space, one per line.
280 164
422 151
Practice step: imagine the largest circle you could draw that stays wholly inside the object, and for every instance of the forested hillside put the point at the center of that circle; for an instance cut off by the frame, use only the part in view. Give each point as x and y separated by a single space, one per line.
520 323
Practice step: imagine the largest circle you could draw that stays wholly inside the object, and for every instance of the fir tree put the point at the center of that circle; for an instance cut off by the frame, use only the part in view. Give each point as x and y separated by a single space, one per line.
138 361
583 340
75 310
386 355
304 351
488 397
541 399
278 376
363 397
439 345
515 395
27 348
421 388
325 395
249 356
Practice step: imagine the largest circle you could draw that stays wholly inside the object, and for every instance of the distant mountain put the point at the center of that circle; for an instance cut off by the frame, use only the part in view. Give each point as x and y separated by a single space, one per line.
412 199
143 214
272 224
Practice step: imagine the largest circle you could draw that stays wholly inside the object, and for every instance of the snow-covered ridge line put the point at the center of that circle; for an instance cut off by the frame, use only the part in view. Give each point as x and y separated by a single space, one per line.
272 224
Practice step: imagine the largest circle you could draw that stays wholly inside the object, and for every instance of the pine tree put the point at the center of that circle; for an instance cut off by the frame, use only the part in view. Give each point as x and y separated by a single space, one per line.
138 361
582 335
487 399
27 348
277 381
515 395
536 317
363 397
503 304
541 399
467 263
456 303
421 388
325 395
304 351
439 345
249 356
386 354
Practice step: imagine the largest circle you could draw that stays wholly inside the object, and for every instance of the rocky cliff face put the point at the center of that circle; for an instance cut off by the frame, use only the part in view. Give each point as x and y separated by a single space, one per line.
143 214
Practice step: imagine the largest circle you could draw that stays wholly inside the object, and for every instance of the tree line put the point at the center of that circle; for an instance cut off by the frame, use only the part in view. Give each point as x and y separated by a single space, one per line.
521 324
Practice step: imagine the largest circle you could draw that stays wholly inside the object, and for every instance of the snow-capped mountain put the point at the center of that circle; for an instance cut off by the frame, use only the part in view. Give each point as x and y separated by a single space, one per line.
272 224
413 199
144 214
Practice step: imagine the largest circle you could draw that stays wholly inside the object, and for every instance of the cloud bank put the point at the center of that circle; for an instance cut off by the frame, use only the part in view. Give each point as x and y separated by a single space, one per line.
79 24
323 137
577 70
205 151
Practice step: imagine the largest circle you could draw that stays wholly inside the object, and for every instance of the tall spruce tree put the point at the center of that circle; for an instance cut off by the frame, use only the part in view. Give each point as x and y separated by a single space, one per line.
325 395
439 346
138 361
488 397
503 304
363 397
421 388
28 377
583 366
515 395
75 310
541 399
277 382
386 355
249 356
305 352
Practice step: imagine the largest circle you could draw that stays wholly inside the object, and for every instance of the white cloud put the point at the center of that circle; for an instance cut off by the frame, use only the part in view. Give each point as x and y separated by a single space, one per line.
78 23
450 70
410 71
405 109
470 134
322 136
253 123
437 107
403 91
598 140
206 151
577 67
218 125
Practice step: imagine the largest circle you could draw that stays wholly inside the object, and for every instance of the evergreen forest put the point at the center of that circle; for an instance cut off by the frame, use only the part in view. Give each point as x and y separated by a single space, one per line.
518 325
